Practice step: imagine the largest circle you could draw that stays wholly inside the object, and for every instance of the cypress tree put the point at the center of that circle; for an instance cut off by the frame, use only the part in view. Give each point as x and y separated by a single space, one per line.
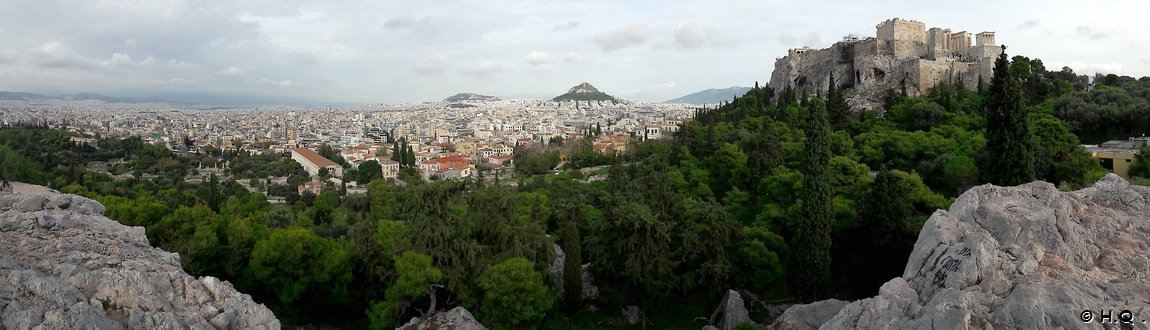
1010 161
837 107
885 220
572 267
811 242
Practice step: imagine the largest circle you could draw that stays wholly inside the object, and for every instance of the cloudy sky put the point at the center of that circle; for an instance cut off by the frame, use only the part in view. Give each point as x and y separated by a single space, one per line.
402 51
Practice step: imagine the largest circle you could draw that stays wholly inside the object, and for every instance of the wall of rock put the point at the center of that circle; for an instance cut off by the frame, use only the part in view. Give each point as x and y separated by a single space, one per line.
1028 256
64 265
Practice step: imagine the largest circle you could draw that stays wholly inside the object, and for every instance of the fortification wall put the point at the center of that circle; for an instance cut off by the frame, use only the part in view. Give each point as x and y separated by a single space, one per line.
900 29
903 55
981 52
905 48
927 73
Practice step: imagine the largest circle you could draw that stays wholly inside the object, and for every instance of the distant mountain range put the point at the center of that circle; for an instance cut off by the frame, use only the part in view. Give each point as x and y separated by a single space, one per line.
585 92
711 96
469 97
21 96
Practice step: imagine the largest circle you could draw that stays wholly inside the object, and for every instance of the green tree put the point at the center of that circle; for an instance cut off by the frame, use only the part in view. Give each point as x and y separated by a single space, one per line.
15 167
886 223
811 241
514 293
572 267
368 171
1141 166
194 233
839 112
1009 160
296 261
417 278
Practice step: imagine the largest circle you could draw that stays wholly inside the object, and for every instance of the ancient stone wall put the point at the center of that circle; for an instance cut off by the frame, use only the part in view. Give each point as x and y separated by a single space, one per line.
900 29
903 55
904 48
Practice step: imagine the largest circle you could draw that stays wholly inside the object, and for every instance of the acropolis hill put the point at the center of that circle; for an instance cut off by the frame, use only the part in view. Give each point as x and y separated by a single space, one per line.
903 55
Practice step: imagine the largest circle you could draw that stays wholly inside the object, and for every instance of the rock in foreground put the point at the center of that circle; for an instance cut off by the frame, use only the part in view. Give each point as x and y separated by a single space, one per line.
64 265
455 319
1020 257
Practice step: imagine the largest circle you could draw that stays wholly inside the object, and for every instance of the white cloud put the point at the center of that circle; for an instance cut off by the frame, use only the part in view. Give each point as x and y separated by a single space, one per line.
623 37
540 60
484 69
287 83
1028 25
432 62
575 57
232 71
1089 68
566 26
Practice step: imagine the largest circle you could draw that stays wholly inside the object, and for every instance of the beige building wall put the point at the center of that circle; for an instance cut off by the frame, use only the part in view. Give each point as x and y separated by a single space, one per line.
1121 161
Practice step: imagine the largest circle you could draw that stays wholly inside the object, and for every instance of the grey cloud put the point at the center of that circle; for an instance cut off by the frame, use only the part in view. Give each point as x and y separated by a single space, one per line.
627 36
811 39
432 62
403 22
1089 33
787 40
566 26
1028 24
483 70
690 37
539 59
687 36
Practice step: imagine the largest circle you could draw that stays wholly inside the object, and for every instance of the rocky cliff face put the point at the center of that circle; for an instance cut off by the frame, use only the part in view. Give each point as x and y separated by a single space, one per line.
63 265
1020 257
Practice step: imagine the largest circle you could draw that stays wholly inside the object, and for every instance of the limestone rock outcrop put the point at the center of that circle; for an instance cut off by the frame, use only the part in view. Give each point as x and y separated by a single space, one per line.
808 316
1028 256
63 265
455 319
556 268
731 312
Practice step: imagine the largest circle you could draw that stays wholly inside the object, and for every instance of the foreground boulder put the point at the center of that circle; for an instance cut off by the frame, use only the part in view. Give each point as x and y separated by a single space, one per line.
1028 256
731 312
63 265
455 319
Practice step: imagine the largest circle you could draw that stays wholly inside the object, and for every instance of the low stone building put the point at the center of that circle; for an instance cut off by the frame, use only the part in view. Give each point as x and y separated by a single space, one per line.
1117 156
312 162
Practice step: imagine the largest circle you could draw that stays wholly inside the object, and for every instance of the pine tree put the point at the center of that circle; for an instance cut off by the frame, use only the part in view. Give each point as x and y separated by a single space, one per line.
1010 161
811 242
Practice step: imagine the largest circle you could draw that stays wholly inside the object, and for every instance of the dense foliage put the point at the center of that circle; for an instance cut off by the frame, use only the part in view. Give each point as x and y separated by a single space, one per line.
786 196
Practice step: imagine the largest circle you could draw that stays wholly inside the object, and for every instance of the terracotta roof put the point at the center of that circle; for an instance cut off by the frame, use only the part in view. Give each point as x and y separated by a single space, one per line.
314 158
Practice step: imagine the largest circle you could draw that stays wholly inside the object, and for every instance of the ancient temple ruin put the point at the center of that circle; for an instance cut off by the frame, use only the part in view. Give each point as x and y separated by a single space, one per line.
903 55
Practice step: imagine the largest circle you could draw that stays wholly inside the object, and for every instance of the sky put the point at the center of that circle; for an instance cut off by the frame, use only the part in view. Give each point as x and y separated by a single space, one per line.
364 52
